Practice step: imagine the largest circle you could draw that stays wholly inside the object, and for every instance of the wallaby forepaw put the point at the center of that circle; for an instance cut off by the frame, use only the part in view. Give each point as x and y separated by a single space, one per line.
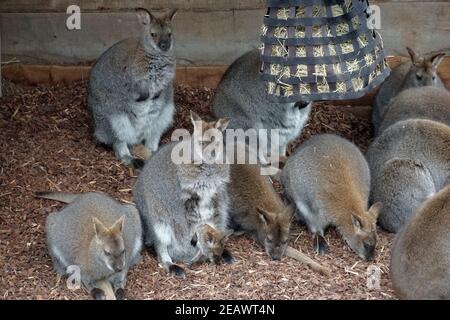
227 257
177 271
120 294
98 294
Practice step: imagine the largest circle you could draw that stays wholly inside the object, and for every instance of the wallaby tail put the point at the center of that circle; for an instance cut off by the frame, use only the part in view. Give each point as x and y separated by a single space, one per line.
299 256
65 197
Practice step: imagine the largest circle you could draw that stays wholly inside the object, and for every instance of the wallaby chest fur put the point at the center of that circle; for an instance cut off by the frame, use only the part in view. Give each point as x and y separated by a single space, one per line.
418 103
328 179
161 192
420 262
241 96
71 238
409 162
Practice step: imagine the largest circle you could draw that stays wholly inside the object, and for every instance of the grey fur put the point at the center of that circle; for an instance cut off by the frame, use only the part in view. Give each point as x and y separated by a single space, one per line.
131 90
404 77
241 96
409 162
71 238
162 192
328 179
418 103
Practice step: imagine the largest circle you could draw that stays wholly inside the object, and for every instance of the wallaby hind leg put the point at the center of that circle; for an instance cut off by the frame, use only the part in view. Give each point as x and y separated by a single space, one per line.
320 244
162 241
153 136
119 282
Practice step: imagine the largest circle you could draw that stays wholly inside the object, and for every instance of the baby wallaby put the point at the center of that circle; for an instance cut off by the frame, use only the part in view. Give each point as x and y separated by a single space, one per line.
174 198
420 262
257 208
131 91
328 179
418 103
419 72
210 243
100 236
242 97
409 162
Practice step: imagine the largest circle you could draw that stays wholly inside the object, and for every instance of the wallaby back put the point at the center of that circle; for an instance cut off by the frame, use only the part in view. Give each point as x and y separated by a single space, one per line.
328 179
420 262
418 103
409 161
420 71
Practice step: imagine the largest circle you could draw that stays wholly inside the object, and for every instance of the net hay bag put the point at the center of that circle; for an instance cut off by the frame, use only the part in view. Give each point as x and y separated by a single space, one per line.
320 50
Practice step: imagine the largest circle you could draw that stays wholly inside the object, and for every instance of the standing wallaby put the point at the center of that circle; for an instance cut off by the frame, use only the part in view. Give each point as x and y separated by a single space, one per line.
257 208
409 162
131 90
99 235
174 199
420 262
418 103
242 97
328 179
419 72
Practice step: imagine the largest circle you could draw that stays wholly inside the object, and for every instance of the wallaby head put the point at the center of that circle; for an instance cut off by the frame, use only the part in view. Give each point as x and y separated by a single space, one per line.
423 71
207 137
210 243
363 235
110 244
157 34
276 226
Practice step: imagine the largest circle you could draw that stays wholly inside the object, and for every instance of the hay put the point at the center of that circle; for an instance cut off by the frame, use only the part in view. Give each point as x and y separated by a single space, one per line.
283 13
341 87
300 12
352 66
358 84
300 51
302 70
320 70
281 32
347 47
300 32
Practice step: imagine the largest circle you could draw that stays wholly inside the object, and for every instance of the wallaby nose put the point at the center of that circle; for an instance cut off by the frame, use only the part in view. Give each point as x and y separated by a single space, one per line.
164 45
369 252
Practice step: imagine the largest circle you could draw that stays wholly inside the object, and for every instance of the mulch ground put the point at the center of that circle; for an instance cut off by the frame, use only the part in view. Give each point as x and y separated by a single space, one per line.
46 143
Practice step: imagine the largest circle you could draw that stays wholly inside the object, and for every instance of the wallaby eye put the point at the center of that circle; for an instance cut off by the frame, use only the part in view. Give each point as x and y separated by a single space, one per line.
153 35
434 78
108 254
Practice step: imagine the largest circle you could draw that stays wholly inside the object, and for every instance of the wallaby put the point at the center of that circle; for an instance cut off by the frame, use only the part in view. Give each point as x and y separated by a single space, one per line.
131 90
328 179
99 235
418 103
174 199
241 96
420 258
257 208
420 71
210 243
409 162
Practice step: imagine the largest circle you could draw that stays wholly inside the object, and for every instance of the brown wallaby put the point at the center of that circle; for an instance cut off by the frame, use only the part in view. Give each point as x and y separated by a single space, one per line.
257 208
420 262
418 103
99 235
328 179
420 71
210 243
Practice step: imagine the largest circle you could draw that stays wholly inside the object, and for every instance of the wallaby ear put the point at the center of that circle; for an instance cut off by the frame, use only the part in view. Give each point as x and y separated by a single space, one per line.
99 228
375 209
356 222
117 228
437 58
413 55
171 14
263 215
144 16
222 124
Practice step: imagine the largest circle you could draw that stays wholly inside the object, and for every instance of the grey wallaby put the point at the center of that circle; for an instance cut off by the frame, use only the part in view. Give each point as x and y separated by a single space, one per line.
175 199
409 162
328 179
420 258
131 90
420 71
99 235
241 96
257 208
418 103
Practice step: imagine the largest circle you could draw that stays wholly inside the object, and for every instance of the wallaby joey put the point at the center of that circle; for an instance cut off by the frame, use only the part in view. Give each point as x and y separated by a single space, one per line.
242 97
409 162
419 72
328 179
131 90
174 199
420 262
97 234
418 103
257 208
210 243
